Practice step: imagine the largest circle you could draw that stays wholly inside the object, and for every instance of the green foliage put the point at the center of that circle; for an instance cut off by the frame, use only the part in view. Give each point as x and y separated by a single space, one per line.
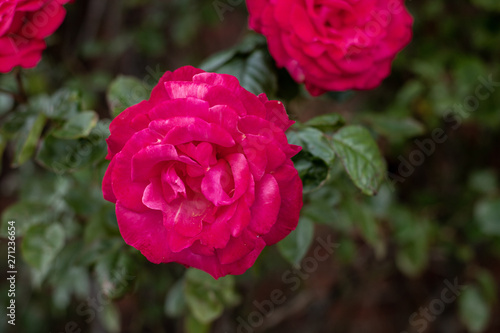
123 92
361 158
206 297
249 62
473 309
41 244
487 215
295 246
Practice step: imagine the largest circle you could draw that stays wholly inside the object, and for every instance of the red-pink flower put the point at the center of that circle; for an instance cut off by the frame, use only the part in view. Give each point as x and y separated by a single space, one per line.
336 44
24 24
201 173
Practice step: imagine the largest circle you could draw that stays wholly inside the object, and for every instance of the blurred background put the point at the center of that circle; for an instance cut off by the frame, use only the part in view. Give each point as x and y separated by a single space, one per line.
423 255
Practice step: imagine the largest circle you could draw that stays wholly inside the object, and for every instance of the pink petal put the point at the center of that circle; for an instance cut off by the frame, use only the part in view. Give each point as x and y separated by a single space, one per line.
290 187
217 178
266 206
147 162
107 187
179 130
145 232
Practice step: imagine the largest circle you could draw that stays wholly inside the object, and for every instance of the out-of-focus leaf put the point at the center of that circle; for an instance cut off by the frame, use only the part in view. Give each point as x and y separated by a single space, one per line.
483 181
326 122
193 325
362 218
6 102
41 244
175 302
75 280
27 138
487 4
412 237
124 92
218 60
396 129
77 126
488 285
110 318
60 155
250 43
26 214
294 247
361 158
61 105
255 72
487 216
206 297
473 309
114 270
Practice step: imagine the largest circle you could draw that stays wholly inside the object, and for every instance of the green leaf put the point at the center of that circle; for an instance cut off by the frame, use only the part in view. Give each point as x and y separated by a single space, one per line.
218 60
110 318
251 42
255 72
473 309
124 92
74 280
362 217
294 247
114 271
313 171
193 325
483 181
487 215
175 302
206 297
61 105
326 122
361 158
396 129
411 235
61 155
488 285
77 126
6 103
27 138
204 304
26 214
41 244
314 142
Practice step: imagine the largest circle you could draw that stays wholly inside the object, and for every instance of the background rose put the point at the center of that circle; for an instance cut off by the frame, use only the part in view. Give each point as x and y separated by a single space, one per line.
201 173
333 45
23 26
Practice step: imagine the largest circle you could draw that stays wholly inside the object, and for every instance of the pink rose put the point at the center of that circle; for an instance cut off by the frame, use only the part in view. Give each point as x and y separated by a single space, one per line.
201 173
333 45
23 26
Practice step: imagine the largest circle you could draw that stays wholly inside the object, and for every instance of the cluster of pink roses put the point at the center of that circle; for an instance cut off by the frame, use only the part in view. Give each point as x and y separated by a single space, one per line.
201 173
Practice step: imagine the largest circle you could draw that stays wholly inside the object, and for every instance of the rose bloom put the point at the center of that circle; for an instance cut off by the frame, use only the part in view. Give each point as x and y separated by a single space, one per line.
23 26
333 45
201 173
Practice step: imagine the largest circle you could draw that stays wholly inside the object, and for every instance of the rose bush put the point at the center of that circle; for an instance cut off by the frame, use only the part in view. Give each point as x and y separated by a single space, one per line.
201 173
333 45
23 26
